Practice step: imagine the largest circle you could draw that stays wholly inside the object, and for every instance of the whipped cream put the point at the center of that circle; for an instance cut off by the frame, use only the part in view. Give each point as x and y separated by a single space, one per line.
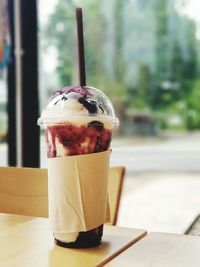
78 105
68 105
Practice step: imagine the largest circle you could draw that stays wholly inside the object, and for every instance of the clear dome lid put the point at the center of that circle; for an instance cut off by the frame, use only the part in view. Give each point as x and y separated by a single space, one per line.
78 103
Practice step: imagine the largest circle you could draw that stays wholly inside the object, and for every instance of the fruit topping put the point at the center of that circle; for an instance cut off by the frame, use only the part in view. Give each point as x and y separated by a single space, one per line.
64 98
68 89
96 124
77 140
90 105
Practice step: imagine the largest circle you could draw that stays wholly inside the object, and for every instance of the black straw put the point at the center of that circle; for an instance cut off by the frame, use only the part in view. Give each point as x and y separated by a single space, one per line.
80 38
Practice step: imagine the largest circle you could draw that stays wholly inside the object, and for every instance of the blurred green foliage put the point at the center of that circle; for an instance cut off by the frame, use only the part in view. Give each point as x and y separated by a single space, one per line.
143 54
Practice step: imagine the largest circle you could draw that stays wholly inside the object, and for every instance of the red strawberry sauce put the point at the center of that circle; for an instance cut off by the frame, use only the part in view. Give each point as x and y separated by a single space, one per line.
78 140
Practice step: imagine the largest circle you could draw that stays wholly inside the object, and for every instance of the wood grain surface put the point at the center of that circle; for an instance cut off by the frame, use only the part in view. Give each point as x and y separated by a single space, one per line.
28 242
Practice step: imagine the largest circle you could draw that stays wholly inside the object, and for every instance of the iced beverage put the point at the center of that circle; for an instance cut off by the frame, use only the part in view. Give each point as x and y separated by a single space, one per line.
78 121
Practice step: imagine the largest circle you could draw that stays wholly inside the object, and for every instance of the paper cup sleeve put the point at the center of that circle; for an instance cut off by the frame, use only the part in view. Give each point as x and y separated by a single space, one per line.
77 185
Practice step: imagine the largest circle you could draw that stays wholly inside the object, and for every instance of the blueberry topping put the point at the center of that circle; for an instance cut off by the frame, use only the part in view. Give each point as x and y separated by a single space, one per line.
64 98
90 105
68 89
57 102
96 124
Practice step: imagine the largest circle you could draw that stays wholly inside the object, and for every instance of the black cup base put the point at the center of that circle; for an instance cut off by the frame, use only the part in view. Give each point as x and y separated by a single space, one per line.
77 244
87 239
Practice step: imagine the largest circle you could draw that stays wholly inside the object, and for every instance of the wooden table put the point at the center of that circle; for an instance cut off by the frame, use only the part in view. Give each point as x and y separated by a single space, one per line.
28 242
161 250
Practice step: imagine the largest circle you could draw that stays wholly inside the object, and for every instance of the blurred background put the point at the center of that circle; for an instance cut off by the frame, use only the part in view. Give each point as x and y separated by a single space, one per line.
145 55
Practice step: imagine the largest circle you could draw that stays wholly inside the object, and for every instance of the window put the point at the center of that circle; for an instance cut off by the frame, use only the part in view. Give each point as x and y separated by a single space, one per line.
144 54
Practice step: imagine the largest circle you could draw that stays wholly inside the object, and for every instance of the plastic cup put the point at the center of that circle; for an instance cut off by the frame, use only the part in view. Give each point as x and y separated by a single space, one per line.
78 121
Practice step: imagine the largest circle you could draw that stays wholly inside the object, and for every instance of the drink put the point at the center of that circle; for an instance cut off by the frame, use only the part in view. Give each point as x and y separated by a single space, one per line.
78 121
